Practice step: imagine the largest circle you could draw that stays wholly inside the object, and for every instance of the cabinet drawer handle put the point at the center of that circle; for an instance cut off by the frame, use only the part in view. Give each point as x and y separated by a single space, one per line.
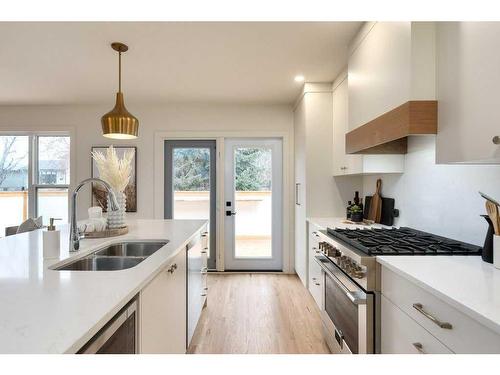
204 234
203 251
318 284
172 268
203 294
419 347
496 140
420 309
205 288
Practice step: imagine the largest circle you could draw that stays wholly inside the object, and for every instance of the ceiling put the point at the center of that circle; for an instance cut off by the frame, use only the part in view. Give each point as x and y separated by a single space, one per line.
210 62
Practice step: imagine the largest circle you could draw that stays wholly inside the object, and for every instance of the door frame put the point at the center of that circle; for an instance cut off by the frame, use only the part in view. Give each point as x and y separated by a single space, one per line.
255 264
288 224
169 146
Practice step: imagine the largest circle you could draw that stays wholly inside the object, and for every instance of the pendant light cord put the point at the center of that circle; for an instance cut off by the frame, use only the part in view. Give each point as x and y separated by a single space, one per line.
119 72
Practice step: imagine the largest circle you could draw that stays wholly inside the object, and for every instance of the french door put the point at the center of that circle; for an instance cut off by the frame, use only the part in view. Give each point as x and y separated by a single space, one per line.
253 204
190 185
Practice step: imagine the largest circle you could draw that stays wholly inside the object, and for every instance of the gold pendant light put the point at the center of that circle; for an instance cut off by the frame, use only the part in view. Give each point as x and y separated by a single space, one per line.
119 123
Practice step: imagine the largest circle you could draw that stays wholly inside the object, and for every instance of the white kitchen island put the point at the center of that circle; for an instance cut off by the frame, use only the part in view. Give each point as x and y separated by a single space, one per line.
49 311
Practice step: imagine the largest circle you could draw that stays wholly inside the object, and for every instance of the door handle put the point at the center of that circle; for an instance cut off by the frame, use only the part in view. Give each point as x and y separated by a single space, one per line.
297 186
230 213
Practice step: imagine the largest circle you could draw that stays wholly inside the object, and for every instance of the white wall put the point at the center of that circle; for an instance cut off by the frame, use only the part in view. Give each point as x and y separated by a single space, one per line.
441 199
85 121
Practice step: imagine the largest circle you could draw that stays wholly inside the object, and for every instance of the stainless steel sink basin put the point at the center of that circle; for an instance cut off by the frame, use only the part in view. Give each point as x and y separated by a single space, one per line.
119 256
131 249
97 263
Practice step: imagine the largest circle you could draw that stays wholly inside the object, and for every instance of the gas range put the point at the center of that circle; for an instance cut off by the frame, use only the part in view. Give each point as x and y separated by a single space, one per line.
402 241
354 250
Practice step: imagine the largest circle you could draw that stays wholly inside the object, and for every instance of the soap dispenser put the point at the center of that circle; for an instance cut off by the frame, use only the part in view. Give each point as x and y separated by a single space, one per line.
51 241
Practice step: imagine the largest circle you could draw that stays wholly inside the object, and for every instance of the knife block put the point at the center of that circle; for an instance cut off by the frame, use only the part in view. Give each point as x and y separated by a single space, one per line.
487 253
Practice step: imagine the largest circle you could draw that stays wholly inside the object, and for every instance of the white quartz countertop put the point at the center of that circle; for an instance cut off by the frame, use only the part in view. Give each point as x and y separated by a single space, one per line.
465 282
338 222
48 311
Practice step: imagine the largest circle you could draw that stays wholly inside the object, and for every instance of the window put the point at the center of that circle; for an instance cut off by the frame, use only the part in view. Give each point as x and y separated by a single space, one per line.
51 177
14 165
34 177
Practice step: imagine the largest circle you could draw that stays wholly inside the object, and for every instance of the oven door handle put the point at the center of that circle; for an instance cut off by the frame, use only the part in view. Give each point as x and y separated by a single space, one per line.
358 298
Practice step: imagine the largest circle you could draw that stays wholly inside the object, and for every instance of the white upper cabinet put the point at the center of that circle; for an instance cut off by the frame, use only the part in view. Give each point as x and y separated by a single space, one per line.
344 164
391 63
468 71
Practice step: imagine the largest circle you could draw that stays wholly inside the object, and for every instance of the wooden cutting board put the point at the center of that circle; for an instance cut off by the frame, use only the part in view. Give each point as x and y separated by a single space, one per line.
375 212
388 205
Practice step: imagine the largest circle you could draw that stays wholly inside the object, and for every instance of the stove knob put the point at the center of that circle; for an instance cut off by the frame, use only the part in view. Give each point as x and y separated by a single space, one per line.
330 250
358 274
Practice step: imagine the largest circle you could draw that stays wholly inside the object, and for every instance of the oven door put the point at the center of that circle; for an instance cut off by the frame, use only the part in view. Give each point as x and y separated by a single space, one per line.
348 314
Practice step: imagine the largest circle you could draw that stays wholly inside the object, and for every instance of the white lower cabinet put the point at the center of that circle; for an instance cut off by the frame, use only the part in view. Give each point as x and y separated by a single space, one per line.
449 326
315 282
197 289
162 311
402 335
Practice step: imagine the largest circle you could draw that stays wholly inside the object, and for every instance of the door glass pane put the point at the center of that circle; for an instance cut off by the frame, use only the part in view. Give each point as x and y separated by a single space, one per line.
53 202
53 160
253 206
13 180
191 180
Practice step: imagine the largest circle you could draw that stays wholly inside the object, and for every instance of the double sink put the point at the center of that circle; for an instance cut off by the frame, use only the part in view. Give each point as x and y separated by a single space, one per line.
118 256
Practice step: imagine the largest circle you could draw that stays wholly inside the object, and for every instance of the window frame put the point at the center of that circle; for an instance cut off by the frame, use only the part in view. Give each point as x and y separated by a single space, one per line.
33 168
35 186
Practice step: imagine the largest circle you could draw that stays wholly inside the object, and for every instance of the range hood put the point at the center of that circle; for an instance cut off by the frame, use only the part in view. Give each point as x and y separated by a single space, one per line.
388 133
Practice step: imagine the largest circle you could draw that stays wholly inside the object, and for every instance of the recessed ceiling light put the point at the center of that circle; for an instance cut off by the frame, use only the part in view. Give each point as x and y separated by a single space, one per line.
299 78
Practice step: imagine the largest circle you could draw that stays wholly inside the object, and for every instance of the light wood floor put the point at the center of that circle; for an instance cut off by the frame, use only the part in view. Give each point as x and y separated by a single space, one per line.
258 314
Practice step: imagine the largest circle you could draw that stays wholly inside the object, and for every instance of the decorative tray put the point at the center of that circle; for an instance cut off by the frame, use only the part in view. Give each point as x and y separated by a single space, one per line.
107 233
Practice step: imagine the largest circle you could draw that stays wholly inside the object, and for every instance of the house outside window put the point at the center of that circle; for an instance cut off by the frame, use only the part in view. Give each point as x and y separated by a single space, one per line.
34 177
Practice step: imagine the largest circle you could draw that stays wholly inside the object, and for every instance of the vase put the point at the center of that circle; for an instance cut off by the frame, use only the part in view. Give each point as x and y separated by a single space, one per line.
116 219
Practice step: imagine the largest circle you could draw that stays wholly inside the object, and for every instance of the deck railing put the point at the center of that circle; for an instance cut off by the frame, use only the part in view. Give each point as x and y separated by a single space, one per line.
14 206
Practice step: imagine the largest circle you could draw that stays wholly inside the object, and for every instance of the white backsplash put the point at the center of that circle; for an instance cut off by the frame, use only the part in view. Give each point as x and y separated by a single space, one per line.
441 199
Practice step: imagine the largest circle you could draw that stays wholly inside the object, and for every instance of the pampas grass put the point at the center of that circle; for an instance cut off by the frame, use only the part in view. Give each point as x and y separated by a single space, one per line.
112 169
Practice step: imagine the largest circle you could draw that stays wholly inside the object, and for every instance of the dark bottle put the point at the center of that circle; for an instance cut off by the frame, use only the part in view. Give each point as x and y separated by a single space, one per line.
356 198
348 210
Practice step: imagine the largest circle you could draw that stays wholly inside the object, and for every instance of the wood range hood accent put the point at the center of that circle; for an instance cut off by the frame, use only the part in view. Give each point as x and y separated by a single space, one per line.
388 133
